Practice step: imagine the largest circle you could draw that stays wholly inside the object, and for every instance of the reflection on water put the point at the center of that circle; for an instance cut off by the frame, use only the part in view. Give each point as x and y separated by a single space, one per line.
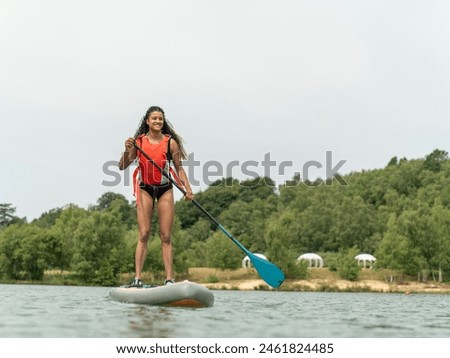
65 311
147 321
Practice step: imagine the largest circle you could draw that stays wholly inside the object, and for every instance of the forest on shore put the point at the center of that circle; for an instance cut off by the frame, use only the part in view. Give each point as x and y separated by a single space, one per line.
399 213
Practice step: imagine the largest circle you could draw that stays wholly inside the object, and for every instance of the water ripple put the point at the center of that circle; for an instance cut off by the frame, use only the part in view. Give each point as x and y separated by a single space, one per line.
65 311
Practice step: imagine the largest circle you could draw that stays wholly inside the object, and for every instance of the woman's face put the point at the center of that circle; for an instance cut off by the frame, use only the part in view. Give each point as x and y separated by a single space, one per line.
155 121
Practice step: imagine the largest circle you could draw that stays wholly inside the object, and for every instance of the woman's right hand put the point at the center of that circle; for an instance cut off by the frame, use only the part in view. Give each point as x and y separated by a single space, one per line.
129 155
129 144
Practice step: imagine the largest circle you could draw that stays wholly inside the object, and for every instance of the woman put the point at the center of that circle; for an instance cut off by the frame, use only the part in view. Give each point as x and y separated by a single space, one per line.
158 139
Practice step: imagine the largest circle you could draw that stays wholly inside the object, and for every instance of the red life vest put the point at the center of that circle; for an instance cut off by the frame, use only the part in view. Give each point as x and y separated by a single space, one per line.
160 153
146 172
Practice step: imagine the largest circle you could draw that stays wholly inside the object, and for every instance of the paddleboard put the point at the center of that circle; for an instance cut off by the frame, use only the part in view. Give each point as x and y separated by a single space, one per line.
181 294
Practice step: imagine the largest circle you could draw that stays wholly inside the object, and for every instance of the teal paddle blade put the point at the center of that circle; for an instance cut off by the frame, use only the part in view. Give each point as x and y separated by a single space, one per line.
269 272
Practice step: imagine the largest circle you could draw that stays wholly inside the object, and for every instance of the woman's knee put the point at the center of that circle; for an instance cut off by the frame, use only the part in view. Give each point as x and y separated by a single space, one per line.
144 234
165 238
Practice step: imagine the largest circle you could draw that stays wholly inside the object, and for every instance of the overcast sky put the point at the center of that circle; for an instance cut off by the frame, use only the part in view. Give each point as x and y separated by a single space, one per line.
364 80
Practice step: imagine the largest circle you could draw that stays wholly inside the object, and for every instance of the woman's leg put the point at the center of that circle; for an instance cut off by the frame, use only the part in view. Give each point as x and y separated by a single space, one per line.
166 212
144 219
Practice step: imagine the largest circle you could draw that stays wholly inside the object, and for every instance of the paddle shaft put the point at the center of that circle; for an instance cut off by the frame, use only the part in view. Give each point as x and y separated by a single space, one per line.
267 270
195 202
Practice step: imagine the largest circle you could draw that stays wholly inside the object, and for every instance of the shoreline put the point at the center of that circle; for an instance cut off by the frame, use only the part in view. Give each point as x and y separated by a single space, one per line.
323 285
319 280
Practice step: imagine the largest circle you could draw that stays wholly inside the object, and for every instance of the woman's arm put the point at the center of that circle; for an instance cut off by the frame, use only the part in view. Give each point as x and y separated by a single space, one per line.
176 157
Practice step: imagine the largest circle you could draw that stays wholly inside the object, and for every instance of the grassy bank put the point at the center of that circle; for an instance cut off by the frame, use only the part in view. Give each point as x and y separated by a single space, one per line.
322 280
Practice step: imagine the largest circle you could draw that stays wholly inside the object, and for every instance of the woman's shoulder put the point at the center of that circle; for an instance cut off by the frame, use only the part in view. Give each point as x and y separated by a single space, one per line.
169 139
173 144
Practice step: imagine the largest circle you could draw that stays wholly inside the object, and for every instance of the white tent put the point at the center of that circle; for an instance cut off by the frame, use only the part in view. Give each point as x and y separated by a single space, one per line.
313 259
246 263
366 260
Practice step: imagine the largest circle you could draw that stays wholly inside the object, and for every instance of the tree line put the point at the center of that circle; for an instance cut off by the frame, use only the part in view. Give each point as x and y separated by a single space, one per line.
399 213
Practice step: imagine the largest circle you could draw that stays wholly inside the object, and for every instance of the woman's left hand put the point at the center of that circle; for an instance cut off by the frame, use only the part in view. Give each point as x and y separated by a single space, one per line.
189 195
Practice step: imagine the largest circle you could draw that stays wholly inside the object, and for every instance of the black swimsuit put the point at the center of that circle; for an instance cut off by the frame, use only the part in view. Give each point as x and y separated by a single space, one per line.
155 191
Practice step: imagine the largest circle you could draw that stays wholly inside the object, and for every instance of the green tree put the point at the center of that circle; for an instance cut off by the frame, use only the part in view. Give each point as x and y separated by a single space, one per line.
400 248
435 159
217 198
347 266
64 230
440 228
257 188
238 219
222 253
118 205
34 252
98 248
354 224
393 162
48 218
282 232
26 251
7 215
11 265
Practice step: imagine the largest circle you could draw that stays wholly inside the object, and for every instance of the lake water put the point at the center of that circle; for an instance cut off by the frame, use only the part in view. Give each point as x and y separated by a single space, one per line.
32 311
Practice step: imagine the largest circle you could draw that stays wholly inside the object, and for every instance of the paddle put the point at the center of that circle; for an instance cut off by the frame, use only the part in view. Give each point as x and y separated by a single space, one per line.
268 271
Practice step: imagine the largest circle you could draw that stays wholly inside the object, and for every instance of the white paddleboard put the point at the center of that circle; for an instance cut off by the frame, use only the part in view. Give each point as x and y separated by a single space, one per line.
183 294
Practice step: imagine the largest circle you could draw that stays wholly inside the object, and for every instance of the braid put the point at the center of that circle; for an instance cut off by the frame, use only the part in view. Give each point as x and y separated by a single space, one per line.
166 129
